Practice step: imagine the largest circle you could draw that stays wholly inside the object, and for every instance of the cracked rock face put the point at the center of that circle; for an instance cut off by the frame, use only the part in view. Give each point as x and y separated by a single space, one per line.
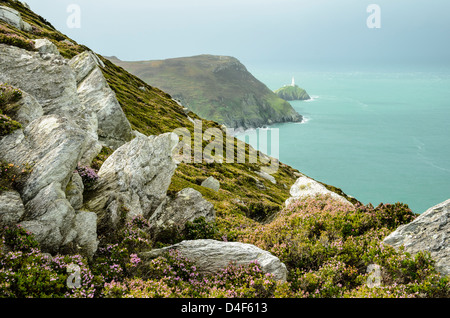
58 132
430 232
134 179
108 120
210 256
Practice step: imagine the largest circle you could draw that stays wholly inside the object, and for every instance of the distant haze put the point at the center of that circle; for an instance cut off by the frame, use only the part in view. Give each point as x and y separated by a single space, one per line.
259 31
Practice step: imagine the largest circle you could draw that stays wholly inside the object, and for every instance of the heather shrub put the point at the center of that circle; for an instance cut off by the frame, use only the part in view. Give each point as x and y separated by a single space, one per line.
88 175
8 95
27 272
16 238
327 247
199 229
16 40
116 259
7 125
11 175
173 275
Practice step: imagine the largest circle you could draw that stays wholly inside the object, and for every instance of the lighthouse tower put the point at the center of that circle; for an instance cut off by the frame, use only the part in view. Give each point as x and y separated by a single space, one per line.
293 81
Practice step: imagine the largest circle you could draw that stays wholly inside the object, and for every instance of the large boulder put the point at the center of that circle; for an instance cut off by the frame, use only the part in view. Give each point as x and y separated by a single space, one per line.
211 183
134 179
187 205
52 145
56 135
429 232
307 187
210 256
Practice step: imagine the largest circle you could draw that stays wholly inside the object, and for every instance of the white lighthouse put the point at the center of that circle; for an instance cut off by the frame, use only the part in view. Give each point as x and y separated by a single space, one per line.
293 81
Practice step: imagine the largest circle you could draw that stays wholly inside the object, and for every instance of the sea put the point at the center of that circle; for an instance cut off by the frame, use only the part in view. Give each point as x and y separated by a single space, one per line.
380 133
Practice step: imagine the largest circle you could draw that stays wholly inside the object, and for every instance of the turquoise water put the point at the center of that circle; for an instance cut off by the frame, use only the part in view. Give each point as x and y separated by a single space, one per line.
380 136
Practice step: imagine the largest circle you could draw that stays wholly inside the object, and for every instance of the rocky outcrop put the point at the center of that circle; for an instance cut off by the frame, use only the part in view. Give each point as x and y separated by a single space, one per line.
134 179
430 232
306 187
106 118
61 106
210 256
13 18
52 145
187 205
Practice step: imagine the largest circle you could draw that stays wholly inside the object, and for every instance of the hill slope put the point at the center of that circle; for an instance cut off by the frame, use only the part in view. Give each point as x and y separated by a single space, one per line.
217 88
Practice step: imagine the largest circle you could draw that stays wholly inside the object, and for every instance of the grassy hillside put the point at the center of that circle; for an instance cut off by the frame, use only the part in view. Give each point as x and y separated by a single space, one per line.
217 88
152 111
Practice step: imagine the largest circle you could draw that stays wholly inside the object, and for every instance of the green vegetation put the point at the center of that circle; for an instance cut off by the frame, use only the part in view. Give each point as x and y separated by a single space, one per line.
217 88
290 93
325 245
8 97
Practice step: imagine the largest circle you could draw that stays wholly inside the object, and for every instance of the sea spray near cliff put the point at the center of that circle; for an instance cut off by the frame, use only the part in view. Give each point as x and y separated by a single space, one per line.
382 136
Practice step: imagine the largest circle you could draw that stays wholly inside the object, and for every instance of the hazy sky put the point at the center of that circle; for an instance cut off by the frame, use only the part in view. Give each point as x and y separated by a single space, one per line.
258 31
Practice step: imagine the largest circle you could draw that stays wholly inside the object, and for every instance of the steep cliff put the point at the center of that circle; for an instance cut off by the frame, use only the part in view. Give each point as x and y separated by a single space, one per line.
218 88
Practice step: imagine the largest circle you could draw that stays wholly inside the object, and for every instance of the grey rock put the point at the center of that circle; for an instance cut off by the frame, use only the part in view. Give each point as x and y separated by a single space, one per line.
107 117
306 187
86 228
11 208
187 205
210 256
74 191
28 109
49 216
430 232
135 179
25 110
68 42
13 17
52 145
45 46
25 5
211 183
266 176
50 81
